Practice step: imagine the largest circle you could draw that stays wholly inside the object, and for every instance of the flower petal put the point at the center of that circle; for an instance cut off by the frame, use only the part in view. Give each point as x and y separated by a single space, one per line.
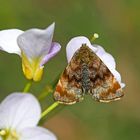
18 111
37 133
35 43
53 51
75 43
8 40
105 57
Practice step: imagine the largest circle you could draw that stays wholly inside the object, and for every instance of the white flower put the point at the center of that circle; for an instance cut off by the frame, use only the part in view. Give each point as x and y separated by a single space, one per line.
76 42
19 115
35 47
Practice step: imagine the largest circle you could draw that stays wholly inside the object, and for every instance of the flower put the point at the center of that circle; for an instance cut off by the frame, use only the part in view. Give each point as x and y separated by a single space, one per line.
76 42
35 47
19 115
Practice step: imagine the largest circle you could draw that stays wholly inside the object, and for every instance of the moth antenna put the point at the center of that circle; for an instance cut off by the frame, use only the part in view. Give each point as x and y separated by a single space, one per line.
94 37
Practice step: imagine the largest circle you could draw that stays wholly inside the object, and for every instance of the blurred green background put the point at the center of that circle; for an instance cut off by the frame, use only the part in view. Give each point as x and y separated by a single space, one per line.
118 24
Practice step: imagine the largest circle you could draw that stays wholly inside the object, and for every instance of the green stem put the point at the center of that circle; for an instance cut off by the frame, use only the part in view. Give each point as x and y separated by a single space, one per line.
27 87
45 92
49 109
48 89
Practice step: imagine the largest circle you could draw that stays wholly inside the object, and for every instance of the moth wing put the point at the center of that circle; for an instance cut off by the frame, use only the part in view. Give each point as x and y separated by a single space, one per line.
104 86
68 89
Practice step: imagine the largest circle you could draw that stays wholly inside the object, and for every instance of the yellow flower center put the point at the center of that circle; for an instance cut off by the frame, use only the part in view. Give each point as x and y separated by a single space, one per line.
9 135
32 70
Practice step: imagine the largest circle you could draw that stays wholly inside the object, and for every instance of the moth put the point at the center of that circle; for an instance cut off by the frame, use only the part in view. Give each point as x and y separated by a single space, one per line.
87 74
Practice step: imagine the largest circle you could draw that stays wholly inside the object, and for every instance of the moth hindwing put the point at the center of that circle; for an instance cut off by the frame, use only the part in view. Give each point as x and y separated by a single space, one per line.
87 74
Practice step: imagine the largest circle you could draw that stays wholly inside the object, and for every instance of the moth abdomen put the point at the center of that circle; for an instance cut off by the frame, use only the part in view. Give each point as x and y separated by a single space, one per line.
85 80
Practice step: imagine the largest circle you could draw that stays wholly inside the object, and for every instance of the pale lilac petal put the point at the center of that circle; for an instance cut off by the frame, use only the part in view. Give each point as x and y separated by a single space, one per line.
19 111
37 133
75 43
53 51
100 50
36 43
108 60
105 57
8 40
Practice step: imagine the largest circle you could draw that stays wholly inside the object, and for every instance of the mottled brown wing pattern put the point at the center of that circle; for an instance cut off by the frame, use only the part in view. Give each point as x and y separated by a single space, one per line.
104 86
87 74
69 88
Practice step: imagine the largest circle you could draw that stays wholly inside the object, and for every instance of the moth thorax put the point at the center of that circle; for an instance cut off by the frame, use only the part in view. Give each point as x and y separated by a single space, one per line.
85 80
